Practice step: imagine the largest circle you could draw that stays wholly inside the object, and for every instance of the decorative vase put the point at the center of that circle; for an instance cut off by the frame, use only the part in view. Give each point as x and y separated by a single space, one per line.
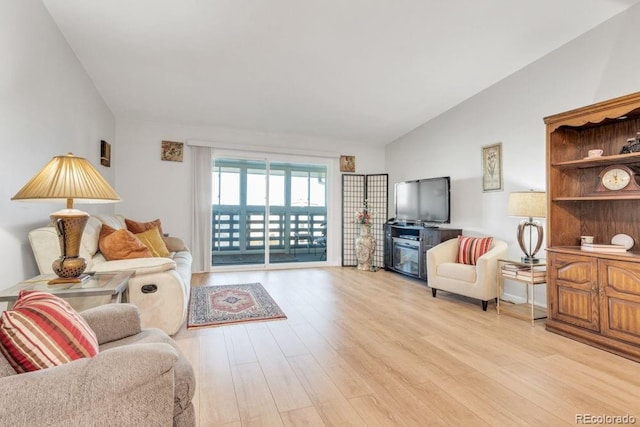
70 224
365 246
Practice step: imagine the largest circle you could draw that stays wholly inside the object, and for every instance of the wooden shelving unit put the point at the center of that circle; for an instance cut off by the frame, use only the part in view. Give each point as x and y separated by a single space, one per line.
593 297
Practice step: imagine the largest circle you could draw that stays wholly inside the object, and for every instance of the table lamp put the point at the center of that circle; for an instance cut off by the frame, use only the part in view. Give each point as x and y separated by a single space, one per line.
68 177
529 204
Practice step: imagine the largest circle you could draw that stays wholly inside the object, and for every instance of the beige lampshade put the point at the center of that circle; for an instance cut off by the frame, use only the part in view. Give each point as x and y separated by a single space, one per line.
528 204
68 177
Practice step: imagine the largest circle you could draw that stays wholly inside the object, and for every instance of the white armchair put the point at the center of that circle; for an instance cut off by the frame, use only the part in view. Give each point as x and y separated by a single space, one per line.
474 281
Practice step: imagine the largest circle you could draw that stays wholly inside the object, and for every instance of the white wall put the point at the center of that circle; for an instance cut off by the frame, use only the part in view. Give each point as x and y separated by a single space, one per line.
598 65
48 107
152 188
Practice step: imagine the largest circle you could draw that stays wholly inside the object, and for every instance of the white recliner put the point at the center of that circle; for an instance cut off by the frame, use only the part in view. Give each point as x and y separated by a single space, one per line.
473 281
160 287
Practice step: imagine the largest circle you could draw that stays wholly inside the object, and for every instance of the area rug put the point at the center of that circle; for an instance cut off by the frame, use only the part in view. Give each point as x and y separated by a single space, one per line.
218 305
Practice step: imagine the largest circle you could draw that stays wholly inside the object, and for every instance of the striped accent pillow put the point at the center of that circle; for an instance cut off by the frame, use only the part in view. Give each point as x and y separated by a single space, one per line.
472 248
43 330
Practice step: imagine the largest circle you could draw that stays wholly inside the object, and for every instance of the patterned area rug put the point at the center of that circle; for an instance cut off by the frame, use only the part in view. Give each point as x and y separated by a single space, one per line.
224 304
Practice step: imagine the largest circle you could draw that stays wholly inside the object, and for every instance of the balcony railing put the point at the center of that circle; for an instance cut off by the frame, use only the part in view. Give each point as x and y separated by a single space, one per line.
242 231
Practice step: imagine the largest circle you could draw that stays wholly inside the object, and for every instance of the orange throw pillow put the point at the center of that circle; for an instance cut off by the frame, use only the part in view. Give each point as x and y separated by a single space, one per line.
105 230
122 244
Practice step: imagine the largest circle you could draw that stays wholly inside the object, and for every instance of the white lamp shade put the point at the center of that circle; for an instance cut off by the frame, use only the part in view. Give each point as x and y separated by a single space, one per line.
528 204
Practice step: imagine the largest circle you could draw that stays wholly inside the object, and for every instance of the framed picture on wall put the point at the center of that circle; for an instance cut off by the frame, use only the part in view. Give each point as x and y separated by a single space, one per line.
492 167
105 154
347 163
172 151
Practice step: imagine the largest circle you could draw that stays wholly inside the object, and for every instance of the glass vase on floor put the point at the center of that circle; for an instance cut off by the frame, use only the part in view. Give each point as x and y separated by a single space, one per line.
365 246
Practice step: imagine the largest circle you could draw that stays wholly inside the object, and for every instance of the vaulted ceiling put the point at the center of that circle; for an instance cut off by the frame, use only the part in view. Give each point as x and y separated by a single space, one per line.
356 70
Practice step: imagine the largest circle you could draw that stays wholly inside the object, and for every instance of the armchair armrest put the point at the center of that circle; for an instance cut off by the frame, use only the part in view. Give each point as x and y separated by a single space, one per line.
446 251
488 261
112 322
486 269
123 385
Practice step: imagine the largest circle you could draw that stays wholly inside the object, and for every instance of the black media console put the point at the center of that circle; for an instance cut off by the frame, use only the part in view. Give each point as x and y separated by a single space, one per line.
406 245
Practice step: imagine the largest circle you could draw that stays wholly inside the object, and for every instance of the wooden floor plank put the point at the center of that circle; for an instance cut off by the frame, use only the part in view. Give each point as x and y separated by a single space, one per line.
341 373
239 347
390 387
308 417
451 411
289 343
332 406
217 396
255 401
489 394
285 388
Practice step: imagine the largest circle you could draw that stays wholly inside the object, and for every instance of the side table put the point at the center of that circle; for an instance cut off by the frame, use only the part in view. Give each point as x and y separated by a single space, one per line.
112 284
530 275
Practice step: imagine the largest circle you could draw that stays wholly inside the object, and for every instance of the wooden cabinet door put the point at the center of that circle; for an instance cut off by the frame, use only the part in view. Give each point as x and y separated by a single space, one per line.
620 300
573 291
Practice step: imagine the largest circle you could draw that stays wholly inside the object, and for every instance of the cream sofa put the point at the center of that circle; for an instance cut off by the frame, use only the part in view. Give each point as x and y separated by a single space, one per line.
160 286
473 281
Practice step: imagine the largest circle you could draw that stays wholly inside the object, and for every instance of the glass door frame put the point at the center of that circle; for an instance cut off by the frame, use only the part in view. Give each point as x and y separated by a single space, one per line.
268 159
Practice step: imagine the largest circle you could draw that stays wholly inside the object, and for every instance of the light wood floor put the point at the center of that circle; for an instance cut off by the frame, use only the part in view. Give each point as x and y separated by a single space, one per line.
368 349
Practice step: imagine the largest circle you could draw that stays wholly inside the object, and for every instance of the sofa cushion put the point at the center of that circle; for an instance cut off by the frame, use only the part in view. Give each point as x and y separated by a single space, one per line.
91 235
42 331
152 239
457 271
121 244
472 248
114 221
141 266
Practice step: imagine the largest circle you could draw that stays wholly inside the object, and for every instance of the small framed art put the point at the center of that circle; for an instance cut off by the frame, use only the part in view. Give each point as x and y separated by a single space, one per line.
347 163
105 154
172 151
492 167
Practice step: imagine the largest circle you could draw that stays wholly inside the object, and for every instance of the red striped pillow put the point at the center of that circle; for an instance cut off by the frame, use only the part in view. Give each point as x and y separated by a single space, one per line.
43 330
472 248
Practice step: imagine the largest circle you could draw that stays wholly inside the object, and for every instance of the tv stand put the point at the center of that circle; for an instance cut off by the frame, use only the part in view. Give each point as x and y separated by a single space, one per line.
406 245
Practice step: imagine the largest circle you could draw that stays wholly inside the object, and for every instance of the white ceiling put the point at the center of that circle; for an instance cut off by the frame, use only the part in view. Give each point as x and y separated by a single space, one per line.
356 70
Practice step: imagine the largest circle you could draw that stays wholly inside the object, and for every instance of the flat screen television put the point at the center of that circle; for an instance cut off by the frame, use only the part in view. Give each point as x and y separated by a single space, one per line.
424 200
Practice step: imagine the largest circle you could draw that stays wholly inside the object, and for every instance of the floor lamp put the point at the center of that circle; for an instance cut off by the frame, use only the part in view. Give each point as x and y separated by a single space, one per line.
68 178
529 204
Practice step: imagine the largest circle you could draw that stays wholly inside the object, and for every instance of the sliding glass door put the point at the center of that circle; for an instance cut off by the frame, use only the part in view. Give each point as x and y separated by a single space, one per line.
268 212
